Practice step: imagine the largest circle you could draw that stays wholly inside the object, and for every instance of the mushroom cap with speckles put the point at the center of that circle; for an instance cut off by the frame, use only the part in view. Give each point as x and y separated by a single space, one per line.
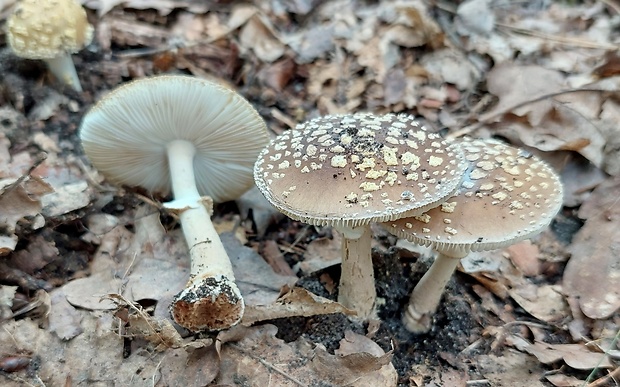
45 29
507 195
126 134
350 170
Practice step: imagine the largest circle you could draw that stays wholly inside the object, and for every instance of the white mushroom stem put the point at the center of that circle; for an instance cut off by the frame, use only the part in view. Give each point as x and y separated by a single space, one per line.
357 281
427 293
64 70
211 299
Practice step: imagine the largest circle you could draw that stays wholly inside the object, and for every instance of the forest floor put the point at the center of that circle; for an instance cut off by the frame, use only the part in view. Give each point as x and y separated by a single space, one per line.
87 269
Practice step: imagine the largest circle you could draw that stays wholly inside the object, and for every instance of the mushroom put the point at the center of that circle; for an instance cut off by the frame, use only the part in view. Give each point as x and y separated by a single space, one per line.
347 171
507 195
50 30
193 137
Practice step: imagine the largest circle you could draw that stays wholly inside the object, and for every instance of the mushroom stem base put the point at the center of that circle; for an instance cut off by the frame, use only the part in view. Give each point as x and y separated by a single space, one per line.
208 303
357 281
211 300
426 295
64 70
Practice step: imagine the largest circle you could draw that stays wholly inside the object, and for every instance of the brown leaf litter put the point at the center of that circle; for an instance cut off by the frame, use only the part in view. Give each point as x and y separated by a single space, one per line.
87 270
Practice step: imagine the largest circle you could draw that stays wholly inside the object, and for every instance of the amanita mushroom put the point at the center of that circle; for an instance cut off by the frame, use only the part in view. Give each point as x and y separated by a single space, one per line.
347 171
193 137
50 30
507 195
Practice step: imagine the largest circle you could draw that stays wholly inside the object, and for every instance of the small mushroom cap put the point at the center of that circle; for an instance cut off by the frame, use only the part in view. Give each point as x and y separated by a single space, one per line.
126 133
45 29
507 195
350 170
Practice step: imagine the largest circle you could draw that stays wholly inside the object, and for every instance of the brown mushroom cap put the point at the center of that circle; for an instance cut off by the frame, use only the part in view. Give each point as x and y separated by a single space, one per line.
350 170
507 195
44 29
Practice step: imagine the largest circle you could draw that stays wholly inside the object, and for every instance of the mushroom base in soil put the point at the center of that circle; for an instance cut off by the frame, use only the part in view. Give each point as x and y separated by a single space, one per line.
507 195
426 295
199 140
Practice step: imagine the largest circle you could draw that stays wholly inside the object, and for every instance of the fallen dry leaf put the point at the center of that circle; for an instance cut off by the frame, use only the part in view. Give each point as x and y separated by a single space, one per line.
592 274
475 17
524 255
544 121
577 356
261 358
263 213
66 198
451 66
321 253
510 369
64 319
7 293
258 35
561 380
578 178
293 302
545 302
18 199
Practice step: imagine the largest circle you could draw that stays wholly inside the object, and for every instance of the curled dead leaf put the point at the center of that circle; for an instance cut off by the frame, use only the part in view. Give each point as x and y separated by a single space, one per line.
293 302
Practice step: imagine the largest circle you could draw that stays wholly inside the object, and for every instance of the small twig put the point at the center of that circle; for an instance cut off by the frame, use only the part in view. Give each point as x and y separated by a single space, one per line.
133 261
267 364
153 381
301 235
527 324
484 120
607 378
351 383
91 179
612 375
567 41
612 4
144 316
19 380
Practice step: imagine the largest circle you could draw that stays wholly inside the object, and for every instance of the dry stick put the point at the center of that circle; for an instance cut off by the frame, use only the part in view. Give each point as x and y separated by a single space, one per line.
575 42
470 128
607 378
612 4
139 311
613 374
266 364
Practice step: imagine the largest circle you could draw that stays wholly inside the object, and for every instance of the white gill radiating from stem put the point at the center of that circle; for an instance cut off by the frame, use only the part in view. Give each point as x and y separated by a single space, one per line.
357 279
427 293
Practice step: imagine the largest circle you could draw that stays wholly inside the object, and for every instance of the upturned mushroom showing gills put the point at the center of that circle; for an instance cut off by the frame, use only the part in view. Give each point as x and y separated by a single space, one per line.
347 171
50 30
507 195
192 137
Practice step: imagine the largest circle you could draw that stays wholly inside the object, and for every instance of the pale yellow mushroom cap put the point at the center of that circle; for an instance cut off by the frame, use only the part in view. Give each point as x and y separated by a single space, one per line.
44 29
